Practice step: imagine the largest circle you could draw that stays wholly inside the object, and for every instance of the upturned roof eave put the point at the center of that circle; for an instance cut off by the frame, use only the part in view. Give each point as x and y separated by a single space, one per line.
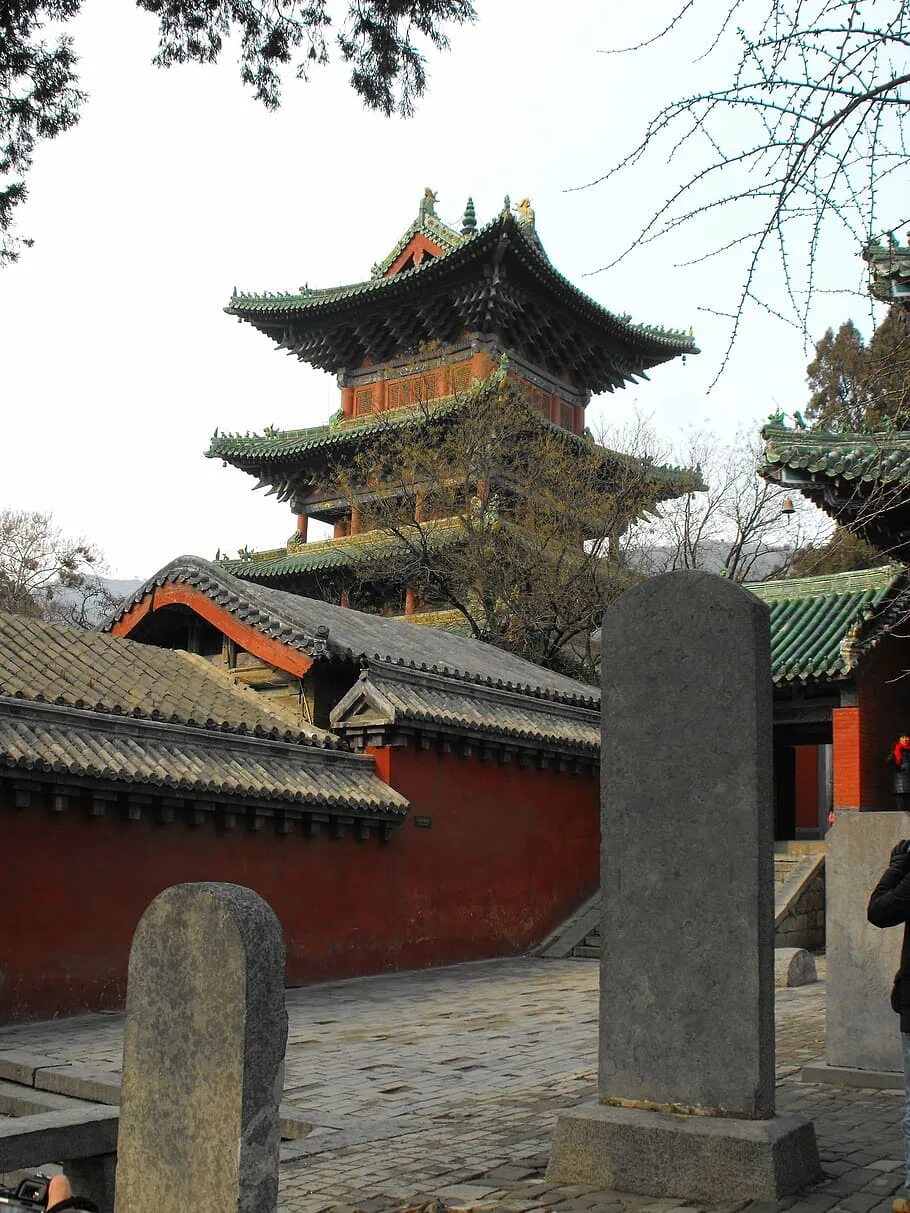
268 310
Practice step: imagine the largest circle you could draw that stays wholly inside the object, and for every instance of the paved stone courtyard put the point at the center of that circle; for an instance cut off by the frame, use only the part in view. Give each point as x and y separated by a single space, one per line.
446 1084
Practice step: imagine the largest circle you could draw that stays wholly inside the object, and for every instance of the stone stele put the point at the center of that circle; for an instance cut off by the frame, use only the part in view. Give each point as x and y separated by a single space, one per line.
203 1054
863 1034
686 1074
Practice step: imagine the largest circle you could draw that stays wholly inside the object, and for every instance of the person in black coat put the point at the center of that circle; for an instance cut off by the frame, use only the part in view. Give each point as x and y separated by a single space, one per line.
899 758
889 906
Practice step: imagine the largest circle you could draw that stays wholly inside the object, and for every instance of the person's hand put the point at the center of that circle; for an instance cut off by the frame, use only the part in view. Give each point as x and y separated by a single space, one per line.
58 1190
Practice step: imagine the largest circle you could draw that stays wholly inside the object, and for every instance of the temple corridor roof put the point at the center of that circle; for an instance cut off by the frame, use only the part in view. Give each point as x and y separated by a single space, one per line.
325 631
823 627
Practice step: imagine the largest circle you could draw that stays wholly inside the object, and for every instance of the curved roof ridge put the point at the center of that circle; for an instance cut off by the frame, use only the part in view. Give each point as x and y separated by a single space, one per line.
828 583
320 628
527 242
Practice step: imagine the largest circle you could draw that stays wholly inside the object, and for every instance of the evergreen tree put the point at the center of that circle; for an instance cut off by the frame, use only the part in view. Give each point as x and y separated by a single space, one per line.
860 386
379 39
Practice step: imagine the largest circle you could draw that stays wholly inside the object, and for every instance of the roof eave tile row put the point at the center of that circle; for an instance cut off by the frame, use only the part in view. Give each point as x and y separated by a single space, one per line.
882 457
823 627
78 744
504 226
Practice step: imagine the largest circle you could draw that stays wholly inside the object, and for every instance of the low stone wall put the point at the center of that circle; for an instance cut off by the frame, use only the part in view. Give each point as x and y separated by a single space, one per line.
799 906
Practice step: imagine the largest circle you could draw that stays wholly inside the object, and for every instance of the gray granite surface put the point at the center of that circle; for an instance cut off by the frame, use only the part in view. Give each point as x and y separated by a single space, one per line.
203 1054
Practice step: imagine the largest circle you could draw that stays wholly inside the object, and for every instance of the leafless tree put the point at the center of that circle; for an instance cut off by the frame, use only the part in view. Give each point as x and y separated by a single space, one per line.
736 527
801 138
46 574
508 522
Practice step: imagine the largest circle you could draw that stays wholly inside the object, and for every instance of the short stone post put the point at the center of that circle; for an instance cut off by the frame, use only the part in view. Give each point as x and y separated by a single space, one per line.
686 1076
203 1054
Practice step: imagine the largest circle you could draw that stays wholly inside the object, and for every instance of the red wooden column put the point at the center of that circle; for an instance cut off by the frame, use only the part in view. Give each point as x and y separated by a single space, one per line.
481 365
847 748
347 401
302 523
409 601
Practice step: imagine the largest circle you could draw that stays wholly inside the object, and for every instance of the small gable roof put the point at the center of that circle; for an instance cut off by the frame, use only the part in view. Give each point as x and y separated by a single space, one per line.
406 699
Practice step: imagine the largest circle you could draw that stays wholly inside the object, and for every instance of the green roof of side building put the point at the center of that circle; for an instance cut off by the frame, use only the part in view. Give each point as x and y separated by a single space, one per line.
823 627
882 457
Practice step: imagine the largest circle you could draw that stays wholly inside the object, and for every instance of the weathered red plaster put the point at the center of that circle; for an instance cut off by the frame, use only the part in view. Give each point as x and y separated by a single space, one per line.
509 854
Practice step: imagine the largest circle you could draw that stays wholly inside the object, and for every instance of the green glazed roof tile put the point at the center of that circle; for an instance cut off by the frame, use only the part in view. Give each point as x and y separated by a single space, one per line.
326 554
881 457
276 303
822 627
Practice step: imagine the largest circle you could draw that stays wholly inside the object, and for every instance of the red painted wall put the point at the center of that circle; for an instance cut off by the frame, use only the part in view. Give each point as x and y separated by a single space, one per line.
510 853
863 735
807 786
884 703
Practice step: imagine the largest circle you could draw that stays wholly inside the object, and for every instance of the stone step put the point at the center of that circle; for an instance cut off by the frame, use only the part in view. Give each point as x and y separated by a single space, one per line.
583 952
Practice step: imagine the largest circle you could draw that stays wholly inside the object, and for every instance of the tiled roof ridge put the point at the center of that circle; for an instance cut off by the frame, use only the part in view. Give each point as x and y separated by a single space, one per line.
818 437
216 583
298 559
502 225
427 224
139 657
134 724
828 583
385 670
231 443
66 743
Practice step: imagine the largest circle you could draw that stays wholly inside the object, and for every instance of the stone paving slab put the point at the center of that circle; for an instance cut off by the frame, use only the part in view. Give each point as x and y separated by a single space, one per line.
440 1089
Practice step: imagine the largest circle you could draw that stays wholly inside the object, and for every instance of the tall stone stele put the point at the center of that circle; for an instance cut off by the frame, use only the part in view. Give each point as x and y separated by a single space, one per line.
686 1075
203 1054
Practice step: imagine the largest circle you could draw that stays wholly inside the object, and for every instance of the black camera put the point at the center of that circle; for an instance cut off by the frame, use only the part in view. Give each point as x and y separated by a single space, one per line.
30 1194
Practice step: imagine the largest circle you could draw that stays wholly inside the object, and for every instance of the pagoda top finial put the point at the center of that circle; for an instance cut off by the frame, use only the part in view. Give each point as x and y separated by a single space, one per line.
469 219
428 202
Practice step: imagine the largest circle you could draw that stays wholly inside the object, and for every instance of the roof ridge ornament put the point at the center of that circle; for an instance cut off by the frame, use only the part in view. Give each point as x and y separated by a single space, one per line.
428 203
469 218
524 213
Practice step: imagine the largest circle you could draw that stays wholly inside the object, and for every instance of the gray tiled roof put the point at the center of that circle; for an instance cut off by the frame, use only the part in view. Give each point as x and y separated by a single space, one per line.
53 663
350 635
68 743
405 697
76 704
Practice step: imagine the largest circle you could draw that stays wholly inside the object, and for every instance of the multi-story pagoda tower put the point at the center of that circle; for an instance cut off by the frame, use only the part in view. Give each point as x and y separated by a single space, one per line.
442 311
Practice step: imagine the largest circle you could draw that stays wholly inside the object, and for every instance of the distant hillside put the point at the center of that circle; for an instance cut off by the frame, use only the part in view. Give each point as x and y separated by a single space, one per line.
711 556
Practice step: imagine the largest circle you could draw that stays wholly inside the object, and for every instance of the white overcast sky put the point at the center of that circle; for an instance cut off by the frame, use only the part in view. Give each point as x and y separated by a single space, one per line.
116 359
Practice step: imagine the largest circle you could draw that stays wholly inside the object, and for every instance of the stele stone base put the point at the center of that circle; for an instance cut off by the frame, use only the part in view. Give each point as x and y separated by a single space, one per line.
693 1158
